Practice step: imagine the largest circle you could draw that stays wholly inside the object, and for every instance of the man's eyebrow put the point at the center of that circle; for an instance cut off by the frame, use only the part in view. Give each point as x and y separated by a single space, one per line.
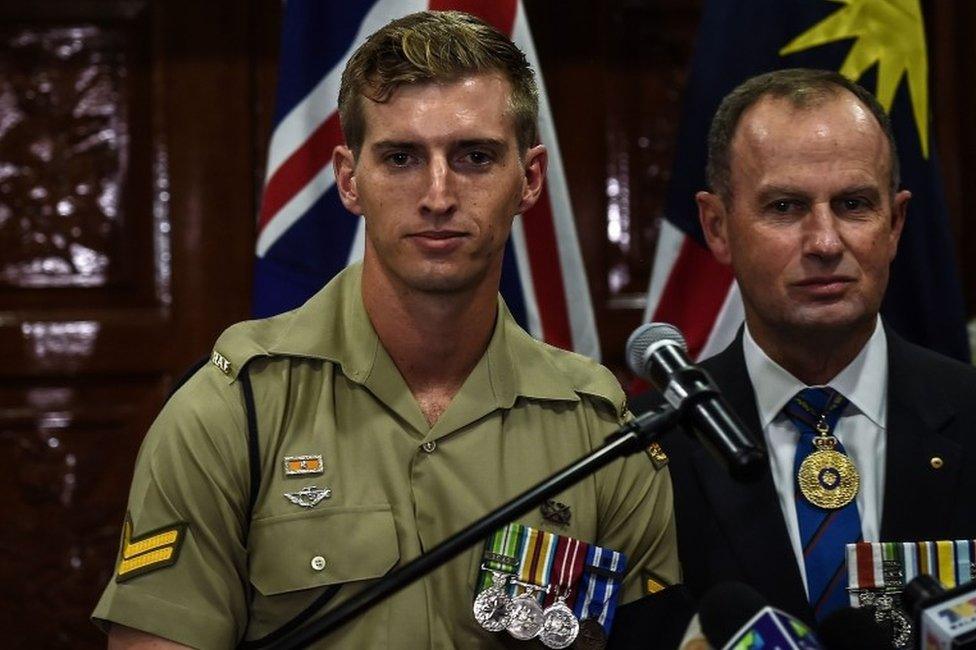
869 190
780 191
483 142
383 145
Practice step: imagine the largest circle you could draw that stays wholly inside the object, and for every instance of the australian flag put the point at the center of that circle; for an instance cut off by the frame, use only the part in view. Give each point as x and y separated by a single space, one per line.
881 45
305 236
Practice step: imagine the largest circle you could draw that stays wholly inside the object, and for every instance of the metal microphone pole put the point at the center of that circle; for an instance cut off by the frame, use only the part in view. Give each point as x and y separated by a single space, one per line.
631 438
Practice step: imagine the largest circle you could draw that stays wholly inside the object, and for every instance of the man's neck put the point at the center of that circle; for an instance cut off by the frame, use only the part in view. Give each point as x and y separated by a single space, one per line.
435 339
815 356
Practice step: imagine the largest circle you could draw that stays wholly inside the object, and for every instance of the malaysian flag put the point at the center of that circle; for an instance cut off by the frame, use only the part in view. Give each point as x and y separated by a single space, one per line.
305 236
880 44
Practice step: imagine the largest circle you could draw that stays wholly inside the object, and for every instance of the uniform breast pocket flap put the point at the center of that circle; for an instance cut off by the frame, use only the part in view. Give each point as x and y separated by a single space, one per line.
307 550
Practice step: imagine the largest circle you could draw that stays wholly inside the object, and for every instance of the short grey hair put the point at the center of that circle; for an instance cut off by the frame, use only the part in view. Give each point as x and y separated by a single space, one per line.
803 88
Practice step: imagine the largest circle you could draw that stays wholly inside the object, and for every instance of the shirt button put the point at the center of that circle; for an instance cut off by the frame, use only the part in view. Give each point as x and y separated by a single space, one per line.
318 562
429 446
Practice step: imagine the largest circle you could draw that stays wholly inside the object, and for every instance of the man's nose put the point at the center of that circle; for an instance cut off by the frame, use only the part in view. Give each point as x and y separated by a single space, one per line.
439 197
821 237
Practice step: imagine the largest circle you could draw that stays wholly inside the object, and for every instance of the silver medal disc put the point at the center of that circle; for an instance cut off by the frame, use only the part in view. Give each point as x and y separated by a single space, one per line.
559 626
526 617
491 609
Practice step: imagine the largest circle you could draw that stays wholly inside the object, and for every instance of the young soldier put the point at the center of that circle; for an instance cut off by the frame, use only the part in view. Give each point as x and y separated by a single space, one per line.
396 406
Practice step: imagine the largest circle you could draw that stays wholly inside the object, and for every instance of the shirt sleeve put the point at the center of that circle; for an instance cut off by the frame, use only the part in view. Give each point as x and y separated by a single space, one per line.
636 514
181 571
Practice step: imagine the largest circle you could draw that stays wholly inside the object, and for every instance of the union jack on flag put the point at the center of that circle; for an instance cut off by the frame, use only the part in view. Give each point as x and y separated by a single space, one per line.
305 236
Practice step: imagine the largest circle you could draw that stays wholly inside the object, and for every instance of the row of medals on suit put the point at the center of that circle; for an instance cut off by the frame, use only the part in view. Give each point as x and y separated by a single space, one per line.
522 616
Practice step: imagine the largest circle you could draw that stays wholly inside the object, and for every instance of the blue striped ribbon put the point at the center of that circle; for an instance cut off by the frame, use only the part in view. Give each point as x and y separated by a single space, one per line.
603 572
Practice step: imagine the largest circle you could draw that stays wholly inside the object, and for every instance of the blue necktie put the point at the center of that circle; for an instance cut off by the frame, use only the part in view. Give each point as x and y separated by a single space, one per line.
824 533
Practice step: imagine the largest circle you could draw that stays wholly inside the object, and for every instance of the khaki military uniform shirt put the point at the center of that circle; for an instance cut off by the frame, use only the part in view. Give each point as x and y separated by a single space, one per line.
323 384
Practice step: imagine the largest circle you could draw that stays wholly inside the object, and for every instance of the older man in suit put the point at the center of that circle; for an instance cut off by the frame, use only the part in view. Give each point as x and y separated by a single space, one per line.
868 437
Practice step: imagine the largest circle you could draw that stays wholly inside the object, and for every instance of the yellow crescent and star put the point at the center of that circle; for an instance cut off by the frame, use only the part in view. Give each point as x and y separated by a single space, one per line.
887 32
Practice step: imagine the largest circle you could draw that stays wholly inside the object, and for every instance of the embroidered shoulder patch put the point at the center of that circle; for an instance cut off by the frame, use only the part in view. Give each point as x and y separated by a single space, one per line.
154 550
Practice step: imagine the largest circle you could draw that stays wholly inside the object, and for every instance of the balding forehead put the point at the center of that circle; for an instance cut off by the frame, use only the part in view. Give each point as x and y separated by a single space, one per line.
769 111
772 117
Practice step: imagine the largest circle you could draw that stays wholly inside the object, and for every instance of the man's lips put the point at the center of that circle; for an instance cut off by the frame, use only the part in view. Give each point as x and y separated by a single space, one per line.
438 234
438 240
824 286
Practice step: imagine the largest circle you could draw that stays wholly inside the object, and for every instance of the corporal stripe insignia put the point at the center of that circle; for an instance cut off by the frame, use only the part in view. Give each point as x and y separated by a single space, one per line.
305 464
308 497
154 550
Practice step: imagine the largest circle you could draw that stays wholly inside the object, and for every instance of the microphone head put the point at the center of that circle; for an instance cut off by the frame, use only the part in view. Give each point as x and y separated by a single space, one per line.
852 628
645 338
725 608
919 591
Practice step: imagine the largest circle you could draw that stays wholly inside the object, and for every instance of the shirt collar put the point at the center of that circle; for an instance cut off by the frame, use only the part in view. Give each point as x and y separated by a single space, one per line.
863 382
333 325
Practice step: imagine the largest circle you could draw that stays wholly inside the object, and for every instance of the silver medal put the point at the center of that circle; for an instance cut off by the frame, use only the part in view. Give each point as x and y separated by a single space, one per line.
491 606
559 626
525 617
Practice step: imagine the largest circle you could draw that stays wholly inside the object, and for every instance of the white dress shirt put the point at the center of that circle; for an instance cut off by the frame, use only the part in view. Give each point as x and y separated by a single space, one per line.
861 428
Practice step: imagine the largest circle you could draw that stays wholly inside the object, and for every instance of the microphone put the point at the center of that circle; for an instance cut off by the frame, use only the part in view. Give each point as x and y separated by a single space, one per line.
734 615
851 628
657 352
944 618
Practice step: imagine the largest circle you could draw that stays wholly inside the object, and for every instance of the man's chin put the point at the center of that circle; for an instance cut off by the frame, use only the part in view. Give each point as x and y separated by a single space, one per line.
442 281
832 319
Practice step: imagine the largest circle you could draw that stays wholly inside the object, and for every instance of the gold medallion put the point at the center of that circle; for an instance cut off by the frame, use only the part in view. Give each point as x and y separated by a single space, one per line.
828 478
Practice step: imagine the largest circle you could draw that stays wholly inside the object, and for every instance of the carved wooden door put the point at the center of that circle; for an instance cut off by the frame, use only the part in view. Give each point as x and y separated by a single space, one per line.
129 162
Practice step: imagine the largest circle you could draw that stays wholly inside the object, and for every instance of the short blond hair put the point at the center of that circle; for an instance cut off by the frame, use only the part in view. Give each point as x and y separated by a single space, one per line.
435 46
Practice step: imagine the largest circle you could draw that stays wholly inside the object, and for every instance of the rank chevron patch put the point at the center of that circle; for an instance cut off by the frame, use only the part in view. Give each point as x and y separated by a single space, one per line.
154 550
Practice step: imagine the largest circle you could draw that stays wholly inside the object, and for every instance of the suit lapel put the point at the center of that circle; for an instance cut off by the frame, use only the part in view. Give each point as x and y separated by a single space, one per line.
918 498
749 513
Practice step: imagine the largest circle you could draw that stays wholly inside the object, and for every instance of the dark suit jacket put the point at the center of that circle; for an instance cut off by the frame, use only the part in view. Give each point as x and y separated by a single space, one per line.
735 531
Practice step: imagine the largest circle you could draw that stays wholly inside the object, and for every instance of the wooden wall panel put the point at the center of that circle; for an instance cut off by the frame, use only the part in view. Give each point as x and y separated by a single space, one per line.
128 183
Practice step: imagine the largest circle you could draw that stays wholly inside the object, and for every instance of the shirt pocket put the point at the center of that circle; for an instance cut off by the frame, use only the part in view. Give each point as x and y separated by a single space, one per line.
305 550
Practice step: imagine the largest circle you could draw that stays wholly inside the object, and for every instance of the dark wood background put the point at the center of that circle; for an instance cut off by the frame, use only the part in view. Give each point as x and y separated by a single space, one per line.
132 140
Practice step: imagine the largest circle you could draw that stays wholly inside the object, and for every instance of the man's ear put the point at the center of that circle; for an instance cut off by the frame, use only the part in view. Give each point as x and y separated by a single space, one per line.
344 168
535 164
899 212
713 216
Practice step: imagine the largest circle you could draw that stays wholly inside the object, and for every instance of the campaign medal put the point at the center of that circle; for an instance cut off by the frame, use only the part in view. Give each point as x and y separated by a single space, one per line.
591 635
491 606
559 625
526 614
827 478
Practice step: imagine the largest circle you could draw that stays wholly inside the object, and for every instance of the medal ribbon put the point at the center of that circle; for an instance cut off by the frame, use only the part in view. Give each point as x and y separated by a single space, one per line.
950 562
599 592
538 549
501 554
824 534
567 567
